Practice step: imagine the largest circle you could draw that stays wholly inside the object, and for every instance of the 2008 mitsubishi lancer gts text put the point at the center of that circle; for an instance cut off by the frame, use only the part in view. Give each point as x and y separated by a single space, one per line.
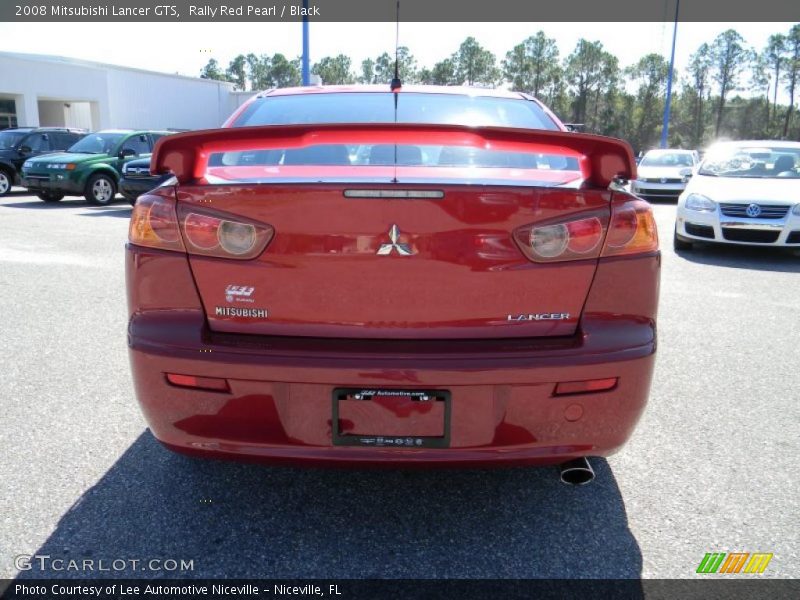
438 276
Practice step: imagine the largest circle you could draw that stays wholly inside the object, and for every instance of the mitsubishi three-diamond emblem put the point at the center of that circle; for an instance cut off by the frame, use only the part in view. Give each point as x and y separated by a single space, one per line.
394 236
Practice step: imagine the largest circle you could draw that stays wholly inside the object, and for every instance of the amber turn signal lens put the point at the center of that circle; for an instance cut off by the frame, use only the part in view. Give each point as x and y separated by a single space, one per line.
154 222
632 230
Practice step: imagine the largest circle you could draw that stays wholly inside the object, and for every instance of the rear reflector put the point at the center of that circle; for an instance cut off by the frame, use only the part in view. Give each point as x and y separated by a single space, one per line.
202 383
394 194
583 387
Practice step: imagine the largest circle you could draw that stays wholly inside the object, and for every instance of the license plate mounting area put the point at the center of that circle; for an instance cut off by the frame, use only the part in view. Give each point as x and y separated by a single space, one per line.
391 418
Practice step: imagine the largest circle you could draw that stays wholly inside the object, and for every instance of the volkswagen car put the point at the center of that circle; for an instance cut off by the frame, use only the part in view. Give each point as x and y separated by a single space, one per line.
418 276
663 174
743 193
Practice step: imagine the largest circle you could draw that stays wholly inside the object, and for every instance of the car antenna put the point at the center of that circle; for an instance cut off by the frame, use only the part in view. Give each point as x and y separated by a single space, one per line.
396 83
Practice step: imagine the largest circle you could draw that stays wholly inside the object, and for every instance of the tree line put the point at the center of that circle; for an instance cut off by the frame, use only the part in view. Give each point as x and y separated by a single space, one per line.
588 87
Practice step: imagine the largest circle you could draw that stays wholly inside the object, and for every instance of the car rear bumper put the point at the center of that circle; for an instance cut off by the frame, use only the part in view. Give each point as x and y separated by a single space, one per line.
279 405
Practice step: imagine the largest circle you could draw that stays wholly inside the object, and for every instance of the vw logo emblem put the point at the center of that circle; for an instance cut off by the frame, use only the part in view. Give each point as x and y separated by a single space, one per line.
753 210
663 180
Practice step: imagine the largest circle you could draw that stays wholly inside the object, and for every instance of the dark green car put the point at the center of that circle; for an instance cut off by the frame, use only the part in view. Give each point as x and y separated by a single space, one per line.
90 168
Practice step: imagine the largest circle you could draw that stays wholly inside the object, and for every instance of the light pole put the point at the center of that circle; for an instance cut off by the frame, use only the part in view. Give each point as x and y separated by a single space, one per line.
665 125
306 74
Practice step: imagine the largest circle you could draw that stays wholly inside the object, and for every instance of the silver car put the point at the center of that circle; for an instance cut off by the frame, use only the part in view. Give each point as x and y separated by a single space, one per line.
663 174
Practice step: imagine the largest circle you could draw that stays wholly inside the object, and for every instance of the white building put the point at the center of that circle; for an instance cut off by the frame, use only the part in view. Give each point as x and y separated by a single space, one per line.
54 91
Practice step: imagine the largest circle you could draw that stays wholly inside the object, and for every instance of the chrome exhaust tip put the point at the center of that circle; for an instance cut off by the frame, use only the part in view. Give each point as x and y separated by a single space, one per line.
577 471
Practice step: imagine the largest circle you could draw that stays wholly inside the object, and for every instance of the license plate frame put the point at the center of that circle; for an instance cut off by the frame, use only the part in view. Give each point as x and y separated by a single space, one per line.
390 441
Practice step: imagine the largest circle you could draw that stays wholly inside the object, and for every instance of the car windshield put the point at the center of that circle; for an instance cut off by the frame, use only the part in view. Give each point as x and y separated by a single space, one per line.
379 107
752 162
9 139
97 143
667 159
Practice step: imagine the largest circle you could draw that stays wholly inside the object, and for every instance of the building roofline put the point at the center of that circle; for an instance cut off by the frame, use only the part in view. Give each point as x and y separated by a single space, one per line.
49 58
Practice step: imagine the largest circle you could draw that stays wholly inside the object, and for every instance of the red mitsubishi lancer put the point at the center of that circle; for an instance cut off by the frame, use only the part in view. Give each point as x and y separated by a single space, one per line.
422 276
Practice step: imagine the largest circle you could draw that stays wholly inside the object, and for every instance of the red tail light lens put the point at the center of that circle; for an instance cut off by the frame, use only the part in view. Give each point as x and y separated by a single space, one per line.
571 240
154 222
584 235
216 234
201 231
632 230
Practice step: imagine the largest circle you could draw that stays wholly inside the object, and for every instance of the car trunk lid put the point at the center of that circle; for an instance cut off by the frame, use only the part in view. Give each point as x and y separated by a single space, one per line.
387 246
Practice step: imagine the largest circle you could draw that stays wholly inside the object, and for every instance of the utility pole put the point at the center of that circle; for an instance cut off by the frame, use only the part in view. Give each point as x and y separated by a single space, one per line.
306 74
665 125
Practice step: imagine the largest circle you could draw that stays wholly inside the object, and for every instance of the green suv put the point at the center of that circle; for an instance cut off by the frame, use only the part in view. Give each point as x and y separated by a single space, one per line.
90 168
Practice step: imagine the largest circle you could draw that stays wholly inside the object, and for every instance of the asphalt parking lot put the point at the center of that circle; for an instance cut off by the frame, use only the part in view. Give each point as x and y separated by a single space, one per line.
712 466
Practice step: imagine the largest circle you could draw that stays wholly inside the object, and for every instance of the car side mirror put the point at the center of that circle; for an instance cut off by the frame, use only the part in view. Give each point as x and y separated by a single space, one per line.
126 152
24 149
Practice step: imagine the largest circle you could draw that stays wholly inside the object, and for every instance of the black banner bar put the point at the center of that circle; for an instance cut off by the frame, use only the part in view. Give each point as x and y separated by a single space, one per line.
385 10
744 587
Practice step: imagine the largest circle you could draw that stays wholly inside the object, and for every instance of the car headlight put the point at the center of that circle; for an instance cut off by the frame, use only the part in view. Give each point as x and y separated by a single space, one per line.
796 210
700 203
27 164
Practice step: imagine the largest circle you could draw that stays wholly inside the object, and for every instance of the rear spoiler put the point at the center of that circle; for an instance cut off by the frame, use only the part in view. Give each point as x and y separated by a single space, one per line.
185 155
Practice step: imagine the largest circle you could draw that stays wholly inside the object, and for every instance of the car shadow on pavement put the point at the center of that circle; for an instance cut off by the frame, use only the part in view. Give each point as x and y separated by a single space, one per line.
744 257
74 203
250 521
39 204
108 211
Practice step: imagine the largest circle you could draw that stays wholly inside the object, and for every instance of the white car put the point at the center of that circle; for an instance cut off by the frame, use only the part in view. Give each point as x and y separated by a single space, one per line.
663 174
743 193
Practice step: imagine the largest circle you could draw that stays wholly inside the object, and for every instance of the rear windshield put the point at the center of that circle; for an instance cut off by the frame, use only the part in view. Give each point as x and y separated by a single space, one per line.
362 155
407 163
379 107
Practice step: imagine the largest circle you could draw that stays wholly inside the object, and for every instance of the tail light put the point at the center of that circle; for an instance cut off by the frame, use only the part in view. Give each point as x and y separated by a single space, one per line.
213 233
156 222
576 239
631 230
